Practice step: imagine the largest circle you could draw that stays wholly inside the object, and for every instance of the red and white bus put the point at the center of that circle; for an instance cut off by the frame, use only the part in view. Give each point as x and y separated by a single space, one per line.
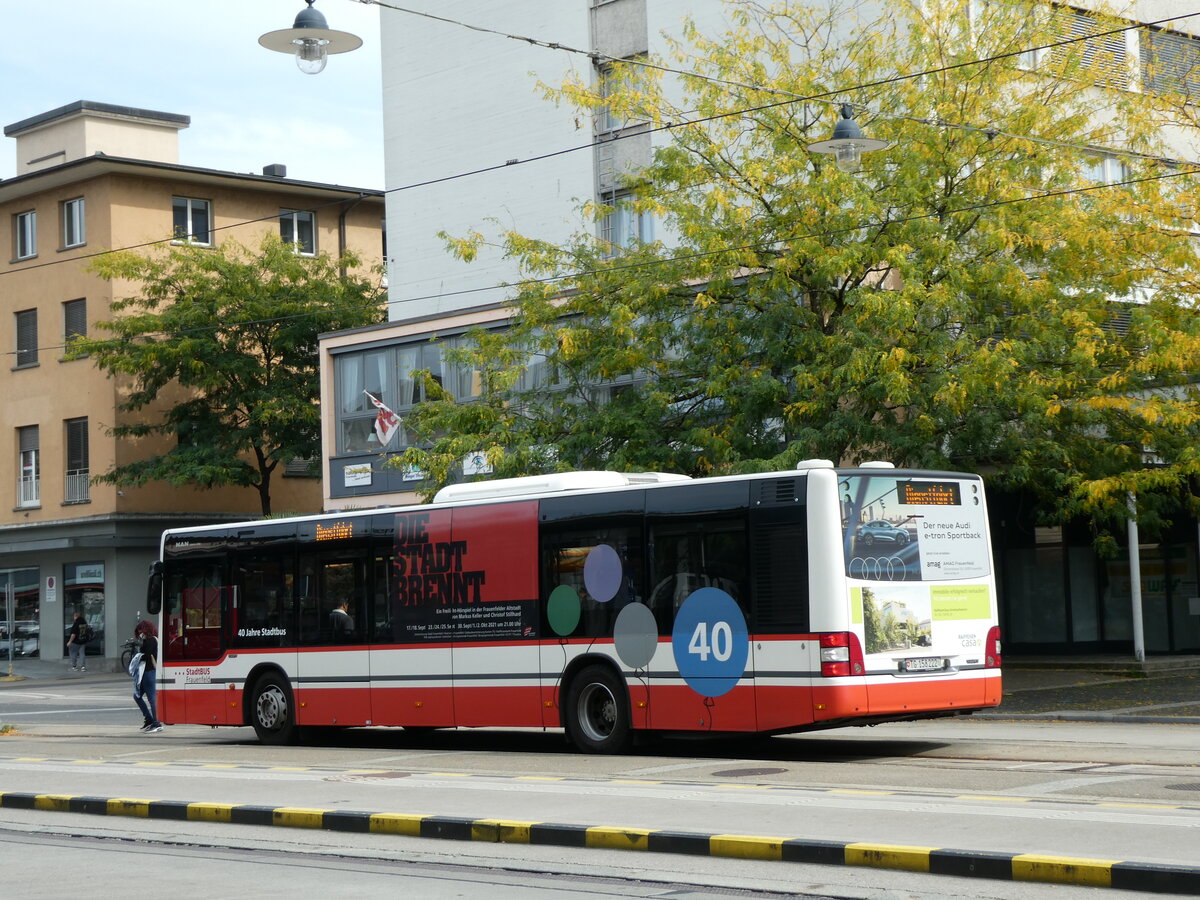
598 602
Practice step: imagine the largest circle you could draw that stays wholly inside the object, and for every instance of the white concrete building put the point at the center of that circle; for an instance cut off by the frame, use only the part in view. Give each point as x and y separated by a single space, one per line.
459 101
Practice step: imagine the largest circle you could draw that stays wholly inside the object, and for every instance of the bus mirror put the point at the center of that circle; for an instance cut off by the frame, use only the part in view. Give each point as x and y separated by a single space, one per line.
154 590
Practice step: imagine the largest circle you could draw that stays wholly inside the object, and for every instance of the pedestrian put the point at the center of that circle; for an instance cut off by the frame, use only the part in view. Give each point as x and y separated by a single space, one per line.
341 623
77 644
145 675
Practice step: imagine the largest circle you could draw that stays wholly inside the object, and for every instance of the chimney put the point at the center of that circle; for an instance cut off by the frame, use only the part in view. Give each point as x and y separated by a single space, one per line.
275 170
85 128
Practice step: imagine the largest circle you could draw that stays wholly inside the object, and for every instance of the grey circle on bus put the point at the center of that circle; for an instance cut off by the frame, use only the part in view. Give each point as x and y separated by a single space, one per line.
635 635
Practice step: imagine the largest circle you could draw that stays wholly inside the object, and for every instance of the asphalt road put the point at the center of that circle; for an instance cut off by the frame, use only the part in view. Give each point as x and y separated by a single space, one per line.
1072 765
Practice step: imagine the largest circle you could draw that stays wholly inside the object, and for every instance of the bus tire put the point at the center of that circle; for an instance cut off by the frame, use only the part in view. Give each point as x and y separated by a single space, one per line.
272 712
597 711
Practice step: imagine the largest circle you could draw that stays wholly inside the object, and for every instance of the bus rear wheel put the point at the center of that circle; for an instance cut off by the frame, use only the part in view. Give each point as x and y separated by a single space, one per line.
597 711
272 711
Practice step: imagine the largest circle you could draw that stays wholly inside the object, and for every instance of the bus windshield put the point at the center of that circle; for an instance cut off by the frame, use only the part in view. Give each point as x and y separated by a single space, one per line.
904 528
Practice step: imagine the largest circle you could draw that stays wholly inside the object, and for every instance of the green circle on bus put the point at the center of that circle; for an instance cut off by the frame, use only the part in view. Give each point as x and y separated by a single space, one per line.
563 609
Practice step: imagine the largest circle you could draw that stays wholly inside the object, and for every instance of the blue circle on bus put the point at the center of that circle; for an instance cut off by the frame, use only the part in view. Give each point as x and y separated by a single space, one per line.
710 642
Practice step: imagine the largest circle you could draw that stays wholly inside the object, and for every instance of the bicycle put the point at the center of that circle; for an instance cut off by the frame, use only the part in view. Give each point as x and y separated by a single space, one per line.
129 648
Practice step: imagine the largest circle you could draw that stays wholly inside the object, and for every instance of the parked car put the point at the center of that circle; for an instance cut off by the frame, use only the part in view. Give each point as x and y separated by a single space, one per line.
879 531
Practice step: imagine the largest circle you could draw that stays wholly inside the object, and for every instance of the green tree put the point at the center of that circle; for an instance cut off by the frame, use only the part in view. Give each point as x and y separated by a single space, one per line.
974 298
216 353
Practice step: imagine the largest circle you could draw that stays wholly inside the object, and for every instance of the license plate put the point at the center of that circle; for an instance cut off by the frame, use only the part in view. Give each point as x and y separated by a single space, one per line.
925 664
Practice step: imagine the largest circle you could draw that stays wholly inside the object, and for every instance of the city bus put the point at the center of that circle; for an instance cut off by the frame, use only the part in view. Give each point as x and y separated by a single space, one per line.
606 604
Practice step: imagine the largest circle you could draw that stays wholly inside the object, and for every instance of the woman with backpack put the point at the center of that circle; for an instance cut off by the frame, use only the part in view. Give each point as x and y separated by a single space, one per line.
144 669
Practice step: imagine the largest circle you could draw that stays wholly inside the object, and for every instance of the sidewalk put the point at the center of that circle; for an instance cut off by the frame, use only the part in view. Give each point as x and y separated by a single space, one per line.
1101 689
1080 689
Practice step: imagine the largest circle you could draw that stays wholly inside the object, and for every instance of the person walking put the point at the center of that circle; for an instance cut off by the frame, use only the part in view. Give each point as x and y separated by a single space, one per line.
77 643
145 676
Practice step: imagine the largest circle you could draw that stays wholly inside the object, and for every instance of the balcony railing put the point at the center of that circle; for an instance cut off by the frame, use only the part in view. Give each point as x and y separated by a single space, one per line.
78 486
30 491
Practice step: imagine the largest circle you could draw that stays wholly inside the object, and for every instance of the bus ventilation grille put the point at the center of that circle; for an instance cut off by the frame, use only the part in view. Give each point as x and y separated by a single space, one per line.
782 490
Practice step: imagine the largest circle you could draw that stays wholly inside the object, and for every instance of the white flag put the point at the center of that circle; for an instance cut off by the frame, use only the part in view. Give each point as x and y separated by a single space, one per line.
387 423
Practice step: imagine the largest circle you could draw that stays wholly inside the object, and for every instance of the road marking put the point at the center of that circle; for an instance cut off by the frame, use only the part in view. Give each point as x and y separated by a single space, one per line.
63 712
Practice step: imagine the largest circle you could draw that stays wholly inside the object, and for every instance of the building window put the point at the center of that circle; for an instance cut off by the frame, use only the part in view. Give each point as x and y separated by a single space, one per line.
29 490
74 319
27 338
298 228
25 234
192 220
624 226
83 590
74 232
26 635
77 477
1105 168
612 80
1101 52
388 374
1170 63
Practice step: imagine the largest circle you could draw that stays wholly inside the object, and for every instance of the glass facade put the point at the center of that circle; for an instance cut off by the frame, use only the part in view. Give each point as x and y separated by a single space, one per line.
1057 595
20 624
83 590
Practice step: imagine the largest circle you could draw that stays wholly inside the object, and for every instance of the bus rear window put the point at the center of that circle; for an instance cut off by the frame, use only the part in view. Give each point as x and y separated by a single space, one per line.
898 528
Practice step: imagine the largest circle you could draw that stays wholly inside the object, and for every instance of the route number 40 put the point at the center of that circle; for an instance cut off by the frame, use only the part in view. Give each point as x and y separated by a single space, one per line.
709 642
719 644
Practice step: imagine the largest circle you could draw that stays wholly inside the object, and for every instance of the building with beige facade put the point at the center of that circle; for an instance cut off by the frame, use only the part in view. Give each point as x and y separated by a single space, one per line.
93 177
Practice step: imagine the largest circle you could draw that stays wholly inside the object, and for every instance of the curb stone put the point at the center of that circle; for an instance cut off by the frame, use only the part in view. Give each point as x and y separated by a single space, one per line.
1124 875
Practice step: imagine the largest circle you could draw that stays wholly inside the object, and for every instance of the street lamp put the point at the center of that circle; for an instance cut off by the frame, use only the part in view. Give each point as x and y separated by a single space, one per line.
848 143
311 39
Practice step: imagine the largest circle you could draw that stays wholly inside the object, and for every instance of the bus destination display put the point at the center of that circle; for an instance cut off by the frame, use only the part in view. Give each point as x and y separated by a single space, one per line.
929 493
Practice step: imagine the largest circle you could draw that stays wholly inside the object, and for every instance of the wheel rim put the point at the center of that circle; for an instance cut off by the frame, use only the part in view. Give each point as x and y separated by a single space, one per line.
597 712
271 708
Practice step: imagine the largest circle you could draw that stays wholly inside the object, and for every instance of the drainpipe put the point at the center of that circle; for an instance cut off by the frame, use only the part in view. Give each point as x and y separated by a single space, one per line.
1135 580
342 229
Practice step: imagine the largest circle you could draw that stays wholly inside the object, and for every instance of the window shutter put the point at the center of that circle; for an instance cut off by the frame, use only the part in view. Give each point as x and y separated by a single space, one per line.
1103 56
77 445
1170 62
75 319
28 437
27 349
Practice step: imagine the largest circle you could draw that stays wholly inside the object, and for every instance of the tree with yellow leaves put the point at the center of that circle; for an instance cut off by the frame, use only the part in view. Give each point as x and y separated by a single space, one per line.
1010 288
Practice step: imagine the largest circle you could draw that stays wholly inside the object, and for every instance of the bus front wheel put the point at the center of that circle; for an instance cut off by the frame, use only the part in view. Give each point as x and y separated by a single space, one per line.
273 717
597 711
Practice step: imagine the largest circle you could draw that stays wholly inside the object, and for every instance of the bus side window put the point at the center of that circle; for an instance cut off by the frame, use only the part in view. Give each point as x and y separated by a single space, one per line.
687 556
564 557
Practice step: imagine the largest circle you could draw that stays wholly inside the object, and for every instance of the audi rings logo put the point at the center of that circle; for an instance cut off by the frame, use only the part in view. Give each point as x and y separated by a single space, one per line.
877 568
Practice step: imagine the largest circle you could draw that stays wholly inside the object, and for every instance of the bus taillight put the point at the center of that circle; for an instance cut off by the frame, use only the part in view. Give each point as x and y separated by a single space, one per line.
993 648
841 654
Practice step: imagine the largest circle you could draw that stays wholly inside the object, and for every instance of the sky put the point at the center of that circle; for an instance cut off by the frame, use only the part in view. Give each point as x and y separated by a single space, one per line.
249 106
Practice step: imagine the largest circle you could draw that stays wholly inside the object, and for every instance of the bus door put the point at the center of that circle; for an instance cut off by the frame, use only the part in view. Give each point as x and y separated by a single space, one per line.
699 592
410 648
197 602
333 664
487 578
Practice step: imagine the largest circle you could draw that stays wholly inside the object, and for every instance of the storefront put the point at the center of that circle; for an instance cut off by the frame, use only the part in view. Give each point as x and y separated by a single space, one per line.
1058 595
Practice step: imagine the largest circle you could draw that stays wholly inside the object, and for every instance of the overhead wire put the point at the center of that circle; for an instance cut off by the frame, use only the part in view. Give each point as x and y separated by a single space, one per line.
644 130
688 123
685 257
